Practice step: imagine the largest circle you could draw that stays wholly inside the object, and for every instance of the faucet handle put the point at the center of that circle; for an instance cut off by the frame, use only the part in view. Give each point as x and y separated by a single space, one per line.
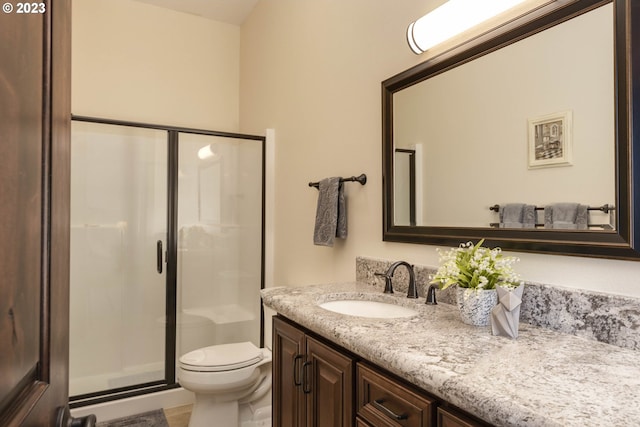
431 295
388 288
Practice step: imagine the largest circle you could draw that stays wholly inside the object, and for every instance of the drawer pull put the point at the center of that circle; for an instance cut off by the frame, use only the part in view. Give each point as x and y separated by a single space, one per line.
379 403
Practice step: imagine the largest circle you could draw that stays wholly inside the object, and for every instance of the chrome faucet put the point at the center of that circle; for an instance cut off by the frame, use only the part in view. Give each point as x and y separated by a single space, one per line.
388 287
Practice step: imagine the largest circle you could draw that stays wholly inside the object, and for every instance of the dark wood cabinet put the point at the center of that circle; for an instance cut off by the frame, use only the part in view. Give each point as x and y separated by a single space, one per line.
288 352
328 384
312 382
318 384
382 401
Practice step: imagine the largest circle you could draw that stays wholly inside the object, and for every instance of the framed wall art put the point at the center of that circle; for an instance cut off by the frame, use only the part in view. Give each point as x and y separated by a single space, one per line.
550 140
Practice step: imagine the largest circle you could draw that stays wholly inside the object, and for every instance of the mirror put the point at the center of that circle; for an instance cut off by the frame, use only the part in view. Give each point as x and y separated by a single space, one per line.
534 113
473 123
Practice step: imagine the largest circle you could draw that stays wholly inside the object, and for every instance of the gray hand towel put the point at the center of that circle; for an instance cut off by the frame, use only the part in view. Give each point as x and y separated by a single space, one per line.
582 218
341 228
331 215
529 216
567 216
517 215
511 215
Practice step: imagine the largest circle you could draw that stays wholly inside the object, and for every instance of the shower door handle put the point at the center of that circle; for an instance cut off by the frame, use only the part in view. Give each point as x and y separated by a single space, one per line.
159 256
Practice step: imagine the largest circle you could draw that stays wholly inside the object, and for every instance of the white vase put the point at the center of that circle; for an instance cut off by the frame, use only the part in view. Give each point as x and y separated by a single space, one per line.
475 305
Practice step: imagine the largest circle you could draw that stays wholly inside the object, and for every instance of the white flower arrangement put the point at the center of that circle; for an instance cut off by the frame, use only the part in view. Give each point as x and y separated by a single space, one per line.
477 267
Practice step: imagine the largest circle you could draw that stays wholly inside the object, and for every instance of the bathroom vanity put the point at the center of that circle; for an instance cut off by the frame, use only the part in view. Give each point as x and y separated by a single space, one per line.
317 389
430 369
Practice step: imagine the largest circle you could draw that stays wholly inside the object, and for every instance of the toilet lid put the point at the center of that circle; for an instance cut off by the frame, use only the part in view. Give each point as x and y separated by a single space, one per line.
224 357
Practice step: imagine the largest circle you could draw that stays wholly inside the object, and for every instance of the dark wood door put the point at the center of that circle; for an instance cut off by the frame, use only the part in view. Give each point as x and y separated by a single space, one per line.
288 358
34 212
330 399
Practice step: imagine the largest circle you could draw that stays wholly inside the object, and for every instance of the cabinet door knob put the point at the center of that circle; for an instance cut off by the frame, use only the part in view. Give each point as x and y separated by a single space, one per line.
296 378
379 403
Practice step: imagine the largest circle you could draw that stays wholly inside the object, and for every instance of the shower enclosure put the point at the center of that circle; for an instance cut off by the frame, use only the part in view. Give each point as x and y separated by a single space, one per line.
166 251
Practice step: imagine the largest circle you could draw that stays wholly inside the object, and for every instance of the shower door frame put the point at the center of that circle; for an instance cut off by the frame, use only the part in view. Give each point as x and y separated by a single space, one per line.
171 258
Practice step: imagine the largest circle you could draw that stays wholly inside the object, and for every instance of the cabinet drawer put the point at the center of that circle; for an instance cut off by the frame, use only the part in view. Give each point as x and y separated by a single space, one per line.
362 423
384 402
447 418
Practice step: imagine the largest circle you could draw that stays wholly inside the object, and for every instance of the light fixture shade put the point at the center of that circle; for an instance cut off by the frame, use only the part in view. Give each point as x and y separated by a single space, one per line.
453 18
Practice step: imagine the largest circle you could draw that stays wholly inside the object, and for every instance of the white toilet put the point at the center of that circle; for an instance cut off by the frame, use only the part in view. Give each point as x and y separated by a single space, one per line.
232 385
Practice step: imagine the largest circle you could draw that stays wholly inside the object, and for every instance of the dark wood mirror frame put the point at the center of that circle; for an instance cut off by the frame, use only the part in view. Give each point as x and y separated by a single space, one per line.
624 242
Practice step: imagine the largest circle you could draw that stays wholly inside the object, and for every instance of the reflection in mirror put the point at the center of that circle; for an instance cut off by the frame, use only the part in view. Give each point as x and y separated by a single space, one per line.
536 113
478 122
404 180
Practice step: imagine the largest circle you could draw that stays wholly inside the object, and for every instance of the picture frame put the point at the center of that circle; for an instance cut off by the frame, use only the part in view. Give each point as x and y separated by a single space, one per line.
550 140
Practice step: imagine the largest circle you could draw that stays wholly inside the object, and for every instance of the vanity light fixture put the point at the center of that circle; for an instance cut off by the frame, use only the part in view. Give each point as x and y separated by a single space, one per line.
451 19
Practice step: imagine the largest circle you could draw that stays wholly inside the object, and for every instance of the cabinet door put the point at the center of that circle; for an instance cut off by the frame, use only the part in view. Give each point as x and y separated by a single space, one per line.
328 384
288 356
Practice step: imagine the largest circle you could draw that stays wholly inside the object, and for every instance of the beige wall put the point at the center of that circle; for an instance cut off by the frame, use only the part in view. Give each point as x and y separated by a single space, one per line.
309 69
133 61
312 71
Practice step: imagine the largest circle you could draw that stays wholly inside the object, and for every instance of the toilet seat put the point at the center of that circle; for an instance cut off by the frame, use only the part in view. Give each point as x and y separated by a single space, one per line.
219 358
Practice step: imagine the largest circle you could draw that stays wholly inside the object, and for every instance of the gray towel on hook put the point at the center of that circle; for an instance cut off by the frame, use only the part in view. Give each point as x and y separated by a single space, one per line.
331 213
517 215
567 216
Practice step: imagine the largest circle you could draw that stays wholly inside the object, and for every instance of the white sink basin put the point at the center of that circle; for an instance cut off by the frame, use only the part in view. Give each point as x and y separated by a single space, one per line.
374 309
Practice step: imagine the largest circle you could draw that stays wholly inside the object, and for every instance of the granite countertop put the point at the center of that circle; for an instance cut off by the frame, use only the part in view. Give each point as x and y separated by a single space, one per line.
543 378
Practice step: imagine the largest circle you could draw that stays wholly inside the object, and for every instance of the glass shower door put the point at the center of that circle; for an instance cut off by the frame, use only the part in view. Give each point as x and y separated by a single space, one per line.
220 212
118 222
